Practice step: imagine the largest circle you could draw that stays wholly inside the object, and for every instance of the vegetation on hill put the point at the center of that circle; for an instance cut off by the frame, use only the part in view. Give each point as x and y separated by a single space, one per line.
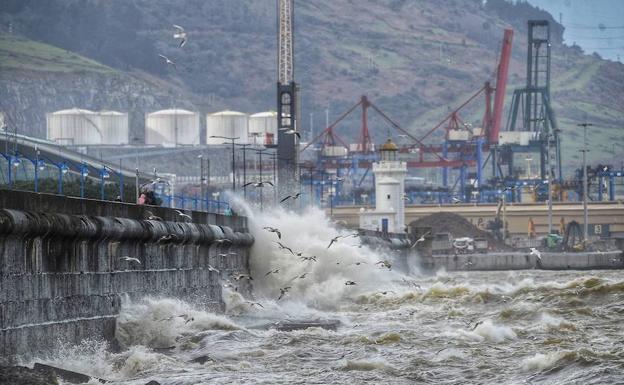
18 53
415 59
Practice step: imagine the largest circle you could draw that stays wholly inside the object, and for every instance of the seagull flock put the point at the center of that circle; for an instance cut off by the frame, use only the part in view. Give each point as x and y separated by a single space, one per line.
275 271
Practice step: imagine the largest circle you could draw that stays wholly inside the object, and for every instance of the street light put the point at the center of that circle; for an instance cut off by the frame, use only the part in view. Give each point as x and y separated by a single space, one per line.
244 146
104 174
215 195
310 169
585 192
233 160
201 180
83 169
38 165
332 182
260 152
12 161
63 169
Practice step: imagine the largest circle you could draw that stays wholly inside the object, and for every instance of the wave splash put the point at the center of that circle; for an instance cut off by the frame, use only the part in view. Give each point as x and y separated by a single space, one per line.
320 284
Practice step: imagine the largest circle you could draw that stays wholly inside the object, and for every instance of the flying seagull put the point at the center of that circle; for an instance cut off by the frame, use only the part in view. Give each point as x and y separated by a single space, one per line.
152 217
272 272
293 132
210 268
385 264
537 253
223 241
187 318
421 239
282 247
167 238
252 304
258 184
334 240
273 230
283 292
130 259
293 197
238 277
350 283
456 200
168 61
183 215
311 259
301 276
180 34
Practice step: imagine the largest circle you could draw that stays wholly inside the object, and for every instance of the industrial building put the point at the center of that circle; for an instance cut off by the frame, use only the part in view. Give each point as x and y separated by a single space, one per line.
83 127
228 124
172 127
263 128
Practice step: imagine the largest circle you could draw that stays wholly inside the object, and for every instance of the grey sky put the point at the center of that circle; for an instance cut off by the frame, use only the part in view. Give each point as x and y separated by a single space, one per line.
595 25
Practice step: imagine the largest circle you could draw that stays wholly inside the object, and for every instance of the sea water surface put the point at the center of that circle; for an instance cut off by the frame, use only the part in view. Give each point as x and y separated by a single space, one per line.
523 327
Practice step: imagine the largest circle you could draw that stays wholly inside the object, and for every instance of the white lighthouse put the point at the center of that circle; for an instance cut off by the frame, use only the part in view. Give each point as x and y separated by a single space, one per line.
389 213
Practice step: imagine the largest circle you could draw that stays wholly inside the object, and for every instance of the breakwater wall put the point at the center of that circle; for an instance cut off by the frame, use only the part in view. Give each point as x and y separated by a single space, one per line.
63 274
525 261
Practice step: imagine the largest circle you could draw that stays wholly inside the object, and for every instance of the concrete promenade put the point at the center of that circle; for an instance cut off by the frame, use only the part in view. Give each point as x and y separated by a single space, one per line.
62 272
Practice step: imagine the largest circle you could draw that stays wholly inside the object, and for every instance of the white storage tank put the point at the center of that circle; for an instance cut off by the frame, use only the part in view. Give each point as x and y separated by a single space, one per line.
114 127
171 127
73 126
263 128
229 124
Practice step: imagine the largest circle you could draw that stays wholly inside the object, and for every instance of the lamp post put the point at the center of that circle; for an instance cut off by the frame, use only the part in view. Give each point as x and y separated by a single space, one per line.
63 169
550 180
311 179
233 159
104 174
12 161
260 152
84 172
585 192
137 141
38 165
201 180
244 146
274 157
215 195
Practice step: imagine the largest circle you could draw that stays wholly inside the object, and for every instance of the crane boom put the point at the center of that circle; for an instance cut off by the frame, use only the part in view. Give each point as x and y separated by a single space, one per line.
285 44
501 85
287 101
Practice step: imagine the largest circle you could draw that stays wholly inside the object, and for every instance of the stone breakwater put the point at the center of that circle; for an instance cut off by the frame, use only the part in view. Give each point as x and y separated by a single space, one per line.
63 274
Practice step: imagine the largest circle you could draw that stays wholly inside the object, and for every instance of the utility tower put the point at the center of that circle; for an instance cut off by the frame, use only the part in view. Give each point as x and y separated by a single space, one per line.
531 109
287 109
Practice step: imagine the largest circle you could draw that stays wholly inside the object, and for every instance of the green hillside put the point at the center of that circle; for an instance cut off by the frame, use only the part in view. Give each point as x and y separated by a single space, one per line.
19 53
415 59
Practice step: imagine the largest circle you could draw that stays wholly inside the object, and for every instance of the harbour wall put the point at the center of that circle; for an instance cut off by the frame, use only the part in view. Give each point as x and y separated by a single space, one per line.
524 261
63 276
410 259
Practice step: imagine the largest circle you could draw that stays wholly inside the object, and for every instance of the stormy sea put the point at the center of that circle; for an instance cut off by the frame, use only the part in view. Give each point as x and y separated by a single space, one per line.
521 327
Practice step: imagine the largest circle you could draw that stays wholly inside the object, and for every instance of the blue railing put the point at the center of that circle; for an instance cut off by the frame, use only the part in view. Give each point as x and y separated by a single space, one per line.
59 170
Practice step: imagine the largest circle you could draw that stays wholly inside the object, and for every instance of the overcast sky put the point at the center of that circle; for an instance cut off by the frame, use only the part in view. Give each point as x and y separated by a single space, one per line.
595 25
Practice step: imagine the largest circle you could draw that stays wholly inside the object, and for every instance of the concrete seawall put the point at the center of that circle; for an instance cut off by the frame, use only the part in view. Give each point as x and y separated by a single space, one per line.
62 276
524 261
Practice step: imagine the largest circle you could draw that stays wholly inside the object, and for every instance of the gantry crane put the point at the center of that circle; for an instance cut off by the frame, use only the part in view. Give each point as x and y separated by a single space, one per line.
287 101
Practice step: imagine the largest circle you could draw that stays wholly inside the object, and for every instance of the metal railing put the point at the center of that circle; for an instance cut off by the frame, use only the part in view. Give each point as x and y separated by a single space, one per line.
17 171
